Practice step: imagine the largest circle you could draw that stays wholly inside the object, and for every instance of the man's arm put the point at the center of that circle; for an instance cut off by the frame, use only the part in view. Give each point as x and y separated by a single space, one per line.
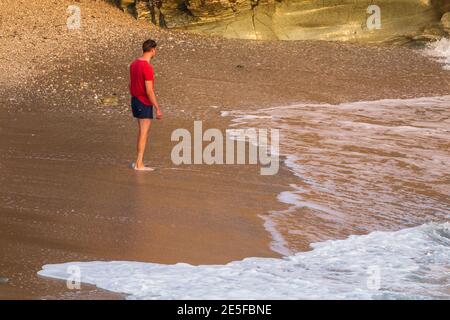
152 97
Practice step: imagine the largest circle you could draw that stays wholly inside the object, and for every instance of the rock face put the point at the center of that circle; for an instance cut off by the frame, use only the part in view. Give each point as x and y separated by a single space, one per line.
360 20
446 22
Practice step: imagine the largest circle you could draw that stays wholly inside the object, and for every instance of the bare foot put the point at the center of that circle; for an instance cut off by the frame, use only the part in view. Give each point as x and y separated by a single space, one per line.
141 168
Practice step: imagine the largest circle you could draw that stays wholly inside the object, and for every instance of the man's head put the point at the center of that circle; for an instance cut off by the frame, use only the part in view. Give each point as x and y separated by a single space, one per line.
149 48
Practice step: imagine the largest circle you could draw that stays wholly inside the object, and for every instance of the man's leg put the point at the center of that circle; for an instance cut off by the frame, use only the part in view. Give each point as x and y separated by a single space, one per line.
144 128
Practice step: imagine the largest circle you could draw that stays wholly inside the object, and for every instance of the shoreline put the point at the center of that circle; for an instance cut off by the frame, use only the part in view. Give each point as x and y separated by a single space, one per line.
67 194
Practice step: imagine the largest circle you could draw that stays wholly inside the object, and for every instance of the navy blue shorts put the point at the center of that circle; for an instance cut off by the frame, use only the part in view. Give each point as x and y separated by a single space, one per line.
140 110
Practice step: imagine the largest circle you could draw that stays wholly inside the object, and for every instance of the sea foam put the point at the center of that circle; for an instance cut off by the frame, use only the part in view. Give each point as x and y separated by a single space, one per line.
441 51
393 140
411 263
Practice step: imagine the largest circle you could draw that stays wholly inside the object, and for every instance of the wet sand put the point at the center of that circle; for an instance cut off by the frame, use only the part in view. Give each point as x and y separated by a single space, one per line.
69 195
66 192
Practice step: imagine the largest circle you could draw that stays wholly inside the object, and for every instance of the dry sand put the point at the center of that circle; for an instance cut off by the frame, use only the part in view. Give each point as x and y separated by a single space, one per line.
66 193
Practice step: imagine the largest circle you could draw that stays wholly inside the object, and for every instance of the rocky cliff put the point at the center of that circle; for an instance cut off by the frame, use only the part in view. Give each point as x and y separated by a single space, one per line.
357 20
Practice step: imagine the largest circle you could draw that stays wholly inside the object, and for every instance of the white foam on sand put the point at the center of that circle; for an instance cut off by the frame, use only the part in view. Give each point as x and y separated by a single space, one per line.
441 51
407 264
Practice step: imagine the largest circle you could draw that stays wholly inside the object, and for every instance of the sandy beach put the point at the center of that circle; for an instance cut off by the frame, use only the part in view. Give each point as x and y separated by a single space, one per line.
68 137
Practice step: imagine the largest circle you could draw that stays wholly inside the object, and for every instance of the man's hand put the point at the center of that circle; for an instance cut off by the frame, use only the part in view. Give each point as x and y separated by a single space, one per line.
159 114
152 98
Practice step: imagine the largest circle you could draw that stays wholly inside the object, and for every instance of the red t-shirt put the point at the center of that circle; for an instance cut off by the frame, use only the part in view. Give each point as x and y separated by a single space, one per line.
140 71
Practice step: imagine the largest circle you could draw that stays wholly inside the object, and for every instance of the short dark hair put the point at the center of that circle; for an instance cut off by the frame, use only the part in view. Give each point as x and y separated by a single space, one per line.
148 45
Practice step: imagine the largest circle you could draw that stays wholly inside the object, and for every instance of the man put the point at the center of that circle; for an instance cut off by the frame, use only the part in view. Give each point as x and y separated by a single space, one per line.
143 99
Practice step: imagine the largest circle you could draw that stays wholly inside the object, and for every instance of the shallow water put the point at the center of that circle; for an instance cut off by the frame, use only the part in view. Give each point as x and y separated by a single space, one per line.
363 166
440 50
